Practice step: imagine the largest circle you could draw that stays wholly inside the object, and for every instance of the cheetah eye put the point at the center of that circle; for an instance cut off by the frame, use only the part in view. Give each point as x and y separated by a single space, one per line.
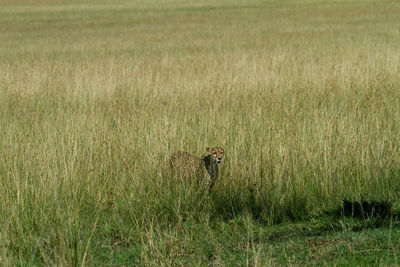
215 153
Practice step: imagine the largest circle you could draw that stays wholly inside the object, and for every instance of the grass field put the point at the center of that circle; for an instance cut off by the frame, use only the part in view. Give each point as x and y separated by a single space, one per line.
304 96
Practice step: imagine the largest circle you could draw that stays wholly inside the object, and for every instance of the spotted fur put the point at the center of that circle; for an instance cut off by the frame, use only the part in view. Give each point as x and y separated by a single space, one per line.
204 168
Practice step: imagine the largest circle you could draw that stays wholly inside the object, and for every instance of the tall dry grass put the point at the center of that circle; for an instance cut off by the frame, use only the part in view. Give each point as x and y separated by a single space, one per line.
304 98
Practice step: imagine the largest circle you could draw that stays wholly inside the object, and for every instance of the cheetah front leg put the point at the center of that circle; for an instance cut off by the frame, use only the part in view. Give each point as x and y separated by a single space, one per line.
208 179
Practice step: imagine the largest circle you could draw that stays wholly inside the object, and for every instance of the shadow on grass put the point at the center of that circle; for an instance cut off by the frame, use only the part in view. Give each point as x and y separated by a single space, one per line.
265 205
353 216
349 216
264 208
365 209
365 214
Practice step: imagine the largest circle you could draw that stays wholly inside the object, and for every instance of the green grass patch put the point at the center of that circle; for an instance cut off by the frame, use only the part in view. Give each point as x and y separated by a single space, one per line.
302 95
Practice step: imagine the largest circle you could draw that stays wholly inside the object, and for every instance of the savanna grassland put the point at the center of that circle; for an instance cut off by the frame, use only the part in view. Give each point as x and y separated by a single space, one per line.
304 96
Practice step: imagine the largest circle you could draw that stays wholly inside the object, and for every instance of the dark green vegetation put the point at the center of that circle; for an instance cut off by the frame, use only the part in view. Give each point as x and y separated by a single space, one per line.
303 96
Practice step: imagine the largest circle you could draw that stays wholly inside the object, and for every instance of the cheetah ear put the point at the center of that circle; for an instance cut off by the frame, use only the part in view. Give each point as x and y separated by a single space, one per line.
207 148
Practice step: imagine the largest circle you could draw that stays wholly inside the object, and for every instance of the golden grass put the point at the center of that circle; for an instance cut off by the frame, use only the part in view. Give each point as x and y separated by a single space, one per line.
303 96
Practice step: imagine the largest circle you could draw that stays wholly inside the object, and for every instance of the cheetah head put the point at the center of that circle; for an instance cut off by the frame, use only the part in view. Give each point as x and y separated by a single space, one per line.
217 153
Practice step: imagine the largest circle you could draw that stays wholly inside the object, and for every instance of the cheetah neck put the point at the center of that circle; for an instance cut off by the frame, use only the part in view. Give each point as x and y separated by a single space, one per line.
211 166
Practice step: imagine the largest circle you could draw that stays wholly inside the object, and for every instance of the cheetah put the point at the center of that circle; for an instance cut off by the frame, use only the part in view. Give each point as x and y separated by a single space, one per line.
205 167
